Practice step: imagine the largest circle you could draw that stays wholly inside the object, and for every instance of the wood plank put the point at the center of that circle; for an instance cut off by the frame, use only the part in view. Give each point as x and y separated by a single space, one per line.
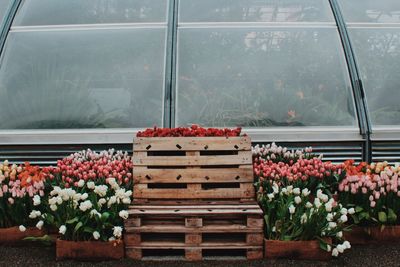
219 193
191 207
199 201
233 228
191 143
138 212
191 160
208 175
176 244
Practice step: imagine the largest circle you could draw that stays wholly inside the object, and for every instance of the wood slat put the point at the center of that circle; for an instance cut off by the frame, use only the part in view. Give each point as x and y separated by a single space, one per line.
191 143
176 244
141 160
208 175
137 212
234 228
196 207
220 193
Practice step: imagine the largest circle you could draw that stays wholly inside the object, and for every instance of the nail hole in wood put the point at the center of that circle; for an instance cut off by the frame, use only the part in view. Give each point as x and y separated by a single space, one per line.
142 210
179 177
237 177
176 210
206 147
148 147
236 146
178 146
209 210
207 178
148 177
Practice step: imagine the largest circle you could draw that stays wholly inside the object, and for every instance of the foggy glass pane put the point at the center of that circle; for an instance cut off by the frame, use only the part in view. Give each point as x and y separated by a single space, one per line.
371 11
4 4
378 57
58 12
255 11
82 79
260 78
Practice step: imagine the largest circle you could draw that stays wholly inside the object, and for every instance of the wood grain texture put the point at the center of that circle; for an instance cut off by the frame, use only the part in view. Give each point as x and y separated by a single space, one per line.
93 250
14 235
296 250
191 143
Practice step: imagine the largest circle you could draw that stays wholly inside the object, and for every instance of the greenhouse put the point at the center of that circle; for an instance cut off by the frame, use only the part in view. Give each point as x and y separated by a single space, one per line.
298 72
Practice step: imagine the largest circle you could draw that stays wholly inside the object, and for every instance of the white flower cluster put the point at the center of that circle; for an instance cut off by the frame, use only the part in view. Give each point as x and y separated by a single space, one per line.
272 151
88 154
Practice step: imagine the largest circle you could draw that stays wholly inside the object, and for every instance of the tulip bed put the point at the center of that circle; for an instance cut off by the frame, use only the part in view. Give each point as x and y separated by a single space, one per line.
86 195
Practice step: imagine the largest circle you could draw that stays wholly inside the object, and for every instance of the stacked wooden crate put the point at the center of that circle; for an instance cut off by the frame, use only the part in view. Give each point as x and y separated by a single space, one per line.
194 197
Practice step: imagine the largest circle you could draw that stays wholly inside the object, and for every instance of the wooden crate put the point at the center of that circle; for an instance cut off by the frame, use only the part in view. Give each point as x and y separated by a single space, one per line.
195 231
198 169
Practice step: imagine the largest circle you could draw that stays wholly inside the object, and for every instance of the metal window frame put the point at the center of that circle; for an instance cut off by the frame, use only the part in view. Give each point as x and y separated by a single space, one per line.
118 136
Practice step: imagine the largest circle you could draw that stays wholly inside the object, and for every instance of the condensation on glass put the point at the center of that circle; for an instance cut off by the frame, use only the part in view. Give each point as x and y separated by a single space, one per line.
261 75
65 12
4 6
255 11
72 76
374 28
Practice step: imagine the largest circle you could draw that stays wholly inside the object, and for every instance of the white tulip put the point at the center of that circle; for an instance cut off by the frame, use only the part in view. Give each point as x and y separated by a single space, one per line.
90 185
117 231
36 200
39 225
62 229
297 200
22 228
96 235
81 183
335 252
124 214
292 209
351 211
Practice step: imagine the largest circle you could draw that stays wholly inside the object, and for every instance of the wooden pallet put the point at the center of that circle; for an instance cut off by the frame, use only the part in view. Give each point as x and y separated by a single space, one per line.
198 169
195 231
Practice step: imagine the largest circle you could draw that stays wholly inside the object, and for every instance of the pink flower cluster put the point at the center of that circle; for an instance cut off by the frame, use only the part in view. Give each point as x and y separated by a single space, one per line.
90 165
302 169
19 181
377 181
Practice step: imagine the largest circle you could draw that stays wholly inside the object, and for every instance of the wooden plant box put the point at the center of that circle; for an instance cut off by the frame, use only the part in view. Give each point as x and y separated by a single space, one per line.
386 235
173 170
89 250
295 250
13 235
358 235
195 232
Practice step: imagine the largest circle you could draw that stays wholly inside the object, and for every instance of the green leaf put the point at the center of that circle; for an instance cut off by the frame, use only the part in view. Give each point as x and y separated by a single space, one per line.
77 226
382 217
323 245
88 229
71 221
105 216
392 217
359 209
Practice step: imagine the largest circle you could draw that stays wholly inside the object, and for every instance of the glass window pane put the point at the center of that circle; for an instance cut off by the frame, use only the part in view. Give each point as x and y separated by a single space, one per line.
4 5
82 79
378 58
258 77
371 11
254 11
54 12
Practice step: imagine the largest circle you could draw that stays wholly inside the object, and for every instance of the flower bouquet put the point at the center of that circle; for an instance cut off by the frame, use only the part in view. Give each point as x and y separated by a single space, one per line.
299 229
89 218
21 190
300 168
373 191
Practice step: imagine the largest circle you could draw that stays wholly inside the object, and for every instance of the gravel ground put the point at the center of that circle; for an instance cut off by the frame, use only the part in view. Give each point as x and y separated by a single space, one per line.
369 255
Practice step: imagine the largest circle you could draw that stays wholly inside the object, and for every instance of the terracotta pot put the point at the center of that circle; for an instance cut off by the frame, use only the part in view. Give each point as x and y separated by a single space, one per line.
358 235
388 234
89 250
296 250
14 235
